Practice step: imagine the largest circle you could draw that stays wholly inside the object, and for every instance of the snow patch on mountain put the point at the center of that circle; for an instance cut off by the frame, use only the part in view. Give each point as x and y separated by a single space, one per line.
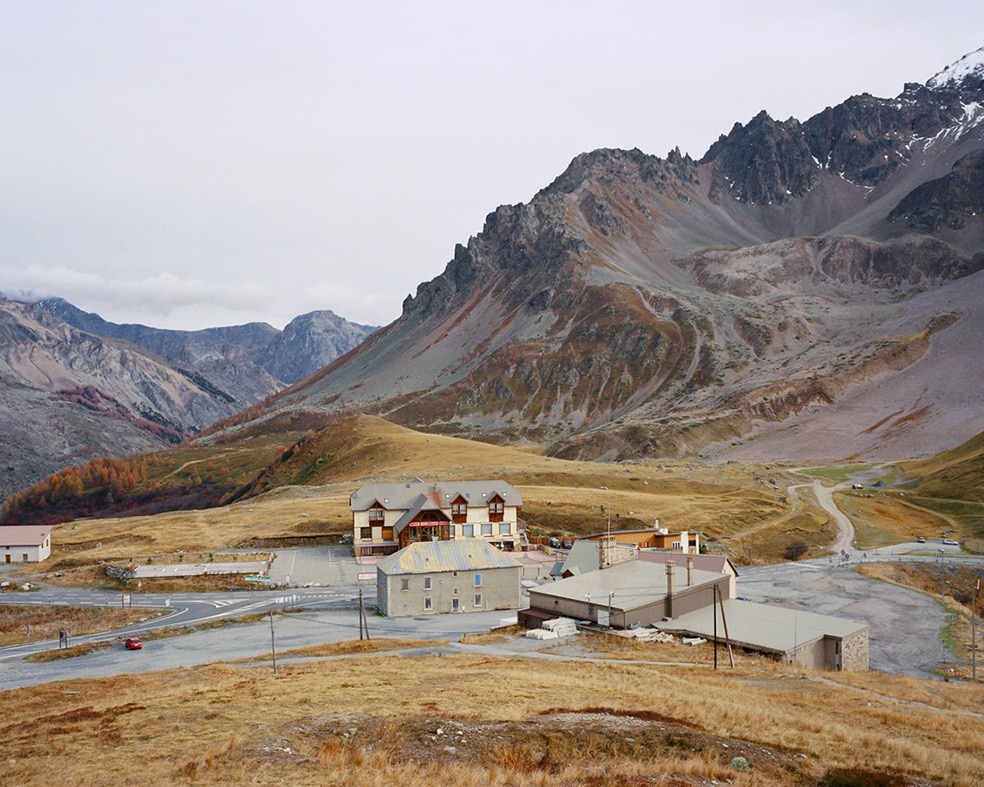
955 73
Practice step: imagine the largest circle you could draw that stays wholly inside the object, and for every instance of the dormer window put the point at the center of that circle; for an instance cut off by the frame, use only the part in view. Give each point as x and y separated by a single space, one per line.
497 509
459 510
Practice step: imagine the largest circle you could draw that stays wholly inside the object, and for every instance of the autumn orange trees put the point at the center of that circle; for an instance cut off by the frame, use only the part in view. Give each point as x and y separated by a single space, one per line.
112 477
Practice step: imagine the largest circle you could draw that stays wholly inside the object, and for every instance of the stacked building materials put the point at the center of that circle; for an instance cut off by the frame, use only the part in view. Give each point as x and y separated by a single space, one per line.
554 629
647 635
562 627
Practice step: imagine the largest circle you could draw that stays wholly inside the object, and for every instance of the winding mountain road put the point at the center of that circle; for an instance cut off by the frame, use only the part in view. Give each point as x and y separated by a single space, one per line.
845 528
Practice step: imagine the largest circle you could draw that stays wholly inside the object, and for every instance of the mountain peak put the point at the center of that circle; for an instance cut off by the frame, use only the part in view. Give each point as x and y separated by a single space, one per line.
970 65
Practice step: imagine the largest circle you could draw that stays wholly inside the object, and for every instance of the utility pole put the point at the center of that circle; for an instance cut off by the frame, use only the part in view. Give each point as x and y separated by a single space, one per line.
273 647
363 622
973 630
715 609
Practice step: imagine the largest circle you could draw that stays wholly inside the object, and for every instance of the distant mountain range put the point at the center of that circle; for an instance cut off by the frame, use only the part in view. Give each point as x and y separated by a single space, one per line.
803 290
76 386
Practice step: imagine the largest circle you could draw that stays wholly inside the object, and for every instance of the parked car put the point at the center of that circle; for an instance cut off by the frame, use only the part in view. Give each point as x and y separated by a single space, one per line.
567 543
555 543
950 542
921 539
133 643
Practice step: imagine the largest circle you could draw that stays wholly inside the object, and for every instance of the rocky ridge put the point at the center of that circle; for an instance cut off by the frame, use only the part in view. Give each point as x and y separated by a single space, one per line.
643 306
78 387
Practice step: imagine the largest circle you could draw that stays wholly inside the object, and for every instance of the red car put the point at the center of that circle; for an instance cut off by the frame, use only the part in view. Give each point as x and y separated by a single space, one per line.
132 643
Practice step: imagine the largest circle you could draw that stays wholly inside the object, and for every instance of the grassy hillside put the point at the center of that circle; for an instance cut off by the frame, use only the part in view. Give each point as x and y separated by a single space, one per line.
481 719
951 485
302 496
954 474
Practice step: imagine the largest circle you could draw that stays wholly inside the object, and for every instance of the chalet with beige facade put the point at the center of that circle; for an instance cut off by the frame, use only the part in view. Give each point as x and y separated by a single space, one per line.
389 517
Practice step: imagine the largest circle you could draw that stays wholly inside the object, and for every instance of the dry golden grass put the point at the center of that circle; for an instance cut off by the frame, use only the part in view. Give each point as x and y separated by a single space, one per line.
803 522
46 622
885 519
477 719
495 637
362 646
560 498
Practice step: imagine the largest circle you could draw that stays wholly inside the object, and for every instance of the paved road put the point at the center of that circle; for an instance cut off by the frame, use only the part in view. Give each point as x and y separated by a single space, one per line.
245 641
845 528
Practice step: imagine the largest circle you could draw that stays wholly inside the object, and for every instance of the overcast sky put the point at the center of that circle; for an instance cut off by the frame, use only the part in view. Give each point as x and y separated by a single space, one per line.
190 164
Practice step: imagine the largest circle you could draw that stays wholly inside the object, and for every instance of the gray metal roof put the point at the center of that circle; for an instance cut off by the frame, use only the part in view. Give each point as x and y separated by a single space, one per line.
466 554
584 557
400 496
635 584
764 626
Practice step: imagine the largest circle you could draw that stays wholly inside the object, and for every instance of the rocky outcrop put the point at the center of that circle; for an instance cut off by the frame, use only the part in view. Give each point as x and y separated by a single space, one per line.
310 342
764 162
947 202
864 140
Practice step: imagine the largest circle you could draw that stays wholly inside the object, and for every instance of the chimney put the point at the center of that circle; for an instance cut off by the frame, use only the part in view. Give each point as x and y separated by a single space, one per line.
670 568
690 570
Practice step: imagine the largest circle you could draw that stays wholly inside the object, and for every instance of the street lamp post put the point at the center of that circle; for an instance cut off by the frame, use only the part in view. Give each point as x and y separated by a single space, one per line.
611 595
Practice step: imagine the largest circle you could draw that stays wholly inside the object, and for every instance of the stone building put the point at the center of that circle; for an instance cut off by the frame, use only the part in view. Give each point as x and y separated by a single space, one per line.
433 577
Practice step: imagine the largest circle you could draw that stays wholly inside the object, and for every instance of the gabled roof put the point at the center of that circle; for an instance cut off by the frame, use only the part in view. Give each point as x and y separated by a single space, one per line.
401 496
422 503
423 557
23 535
582 557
